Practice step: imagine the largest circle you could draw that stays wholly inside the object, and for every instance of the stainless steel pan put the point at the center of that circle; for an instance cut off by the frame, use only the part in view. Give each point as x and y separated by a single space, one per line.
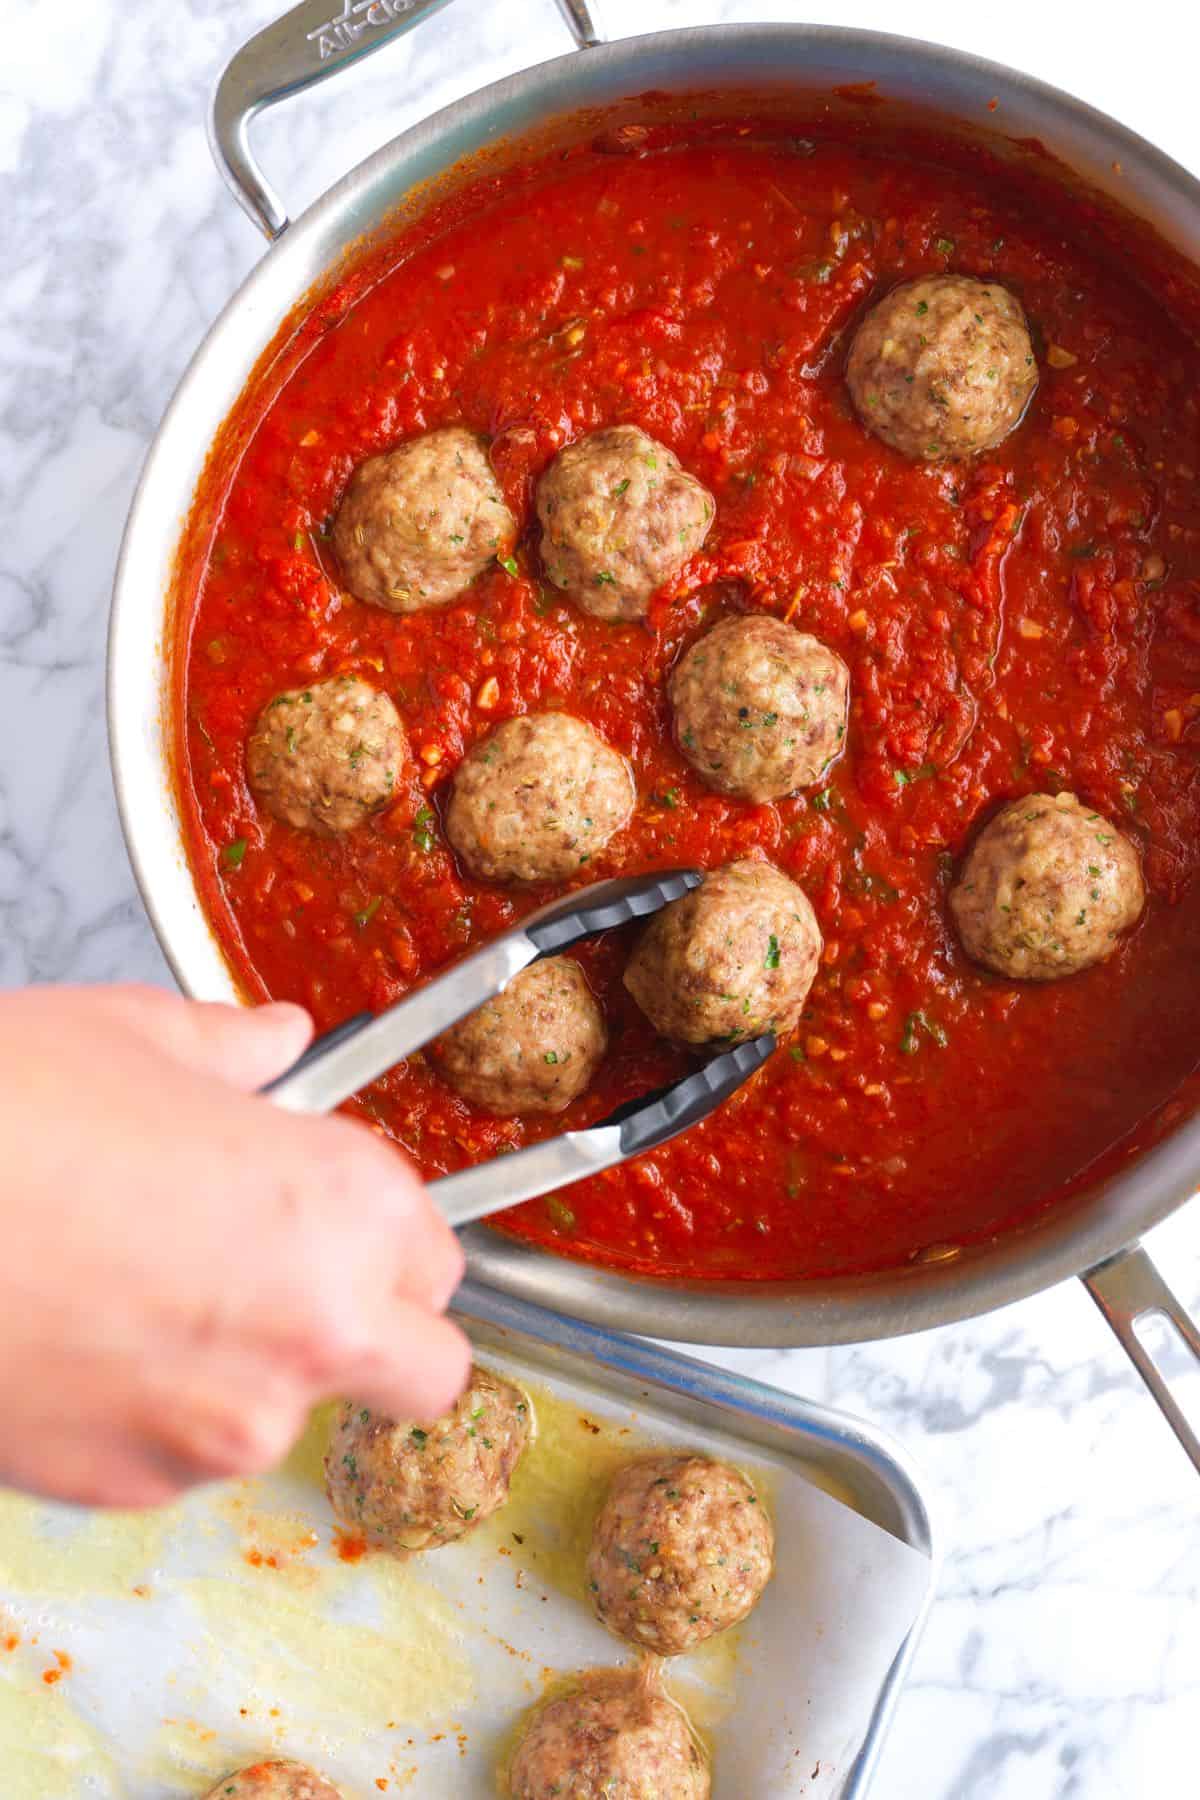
1095 1236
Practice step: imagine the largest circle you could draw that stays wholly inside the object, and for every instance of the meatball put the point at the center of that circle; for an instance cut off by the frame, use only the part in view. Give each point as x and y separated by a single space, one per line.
1046 889
408 1486
538 799
416 526
760 708
734 957
534 1048
324 758
274 1780
943 367
619 517
615 1737
681 1550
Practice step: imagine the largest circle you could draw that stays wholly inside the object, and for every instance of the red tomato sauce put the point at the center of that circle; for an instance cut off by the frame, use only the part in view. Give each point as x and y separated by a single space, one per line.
1027 620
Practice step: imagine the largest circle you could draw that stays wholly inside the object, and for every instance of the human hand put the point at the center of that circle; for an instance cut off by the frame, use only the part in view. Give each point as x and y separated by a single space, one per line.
185 1268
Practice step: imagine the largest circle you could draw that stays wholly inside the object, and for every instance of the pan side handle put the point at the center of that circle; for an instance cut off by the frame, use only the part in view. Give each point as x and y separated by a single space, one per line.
1127 1289
313 41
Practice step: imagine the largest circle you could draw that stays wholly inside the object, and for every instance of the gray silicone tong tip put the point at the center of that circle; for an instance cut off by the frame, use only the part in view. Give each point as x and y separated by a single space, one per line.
640 1125
605 906
653 1119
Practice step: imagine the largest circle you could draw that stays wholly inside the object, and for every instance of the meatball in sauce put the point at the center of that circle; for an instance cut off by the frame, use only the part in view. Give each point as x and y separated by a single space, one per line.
733 958
537 800
326 757
533 1049
417 525
682 1549
943 367
410 1486
1047 889
619 516
616 1736
759 707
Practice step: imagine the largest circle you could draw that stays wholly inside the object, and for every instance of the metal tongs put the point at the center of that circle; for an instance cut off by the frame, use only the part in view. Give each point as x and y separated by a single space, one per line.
353 1055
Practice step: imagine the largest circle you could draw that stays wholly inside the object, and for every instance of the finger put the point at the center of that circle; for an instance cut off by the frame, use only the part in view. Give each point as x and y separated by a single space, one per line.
90 1468
411 1249
244 1046
431 1263
237 1412
418 1369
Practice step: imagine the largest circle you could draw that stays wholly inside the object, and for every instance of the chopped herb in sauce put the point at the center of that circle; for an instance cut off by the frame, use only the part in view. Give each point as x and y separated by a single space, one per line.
423 836
916 1024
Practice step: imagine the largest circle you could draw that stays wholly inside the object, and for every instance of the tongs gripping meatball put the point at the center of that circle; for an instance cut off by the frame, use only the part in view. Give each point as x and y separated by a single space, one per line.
533 1049
733 958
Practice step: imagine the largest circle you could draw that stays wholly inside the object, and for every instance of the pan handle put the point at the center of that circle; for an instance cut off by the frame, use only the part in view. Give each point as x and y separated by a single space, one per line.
309 43
1127 1289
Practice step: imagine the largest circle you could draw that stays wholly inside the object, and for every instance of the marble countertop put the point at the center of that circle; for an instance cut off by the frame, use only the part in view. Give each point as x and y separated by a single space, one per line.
1063 1654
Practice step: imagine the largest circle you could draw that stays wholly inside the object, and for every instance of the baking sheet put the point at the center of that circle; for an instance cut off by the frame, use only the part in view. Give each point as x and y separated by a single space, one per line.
141 1657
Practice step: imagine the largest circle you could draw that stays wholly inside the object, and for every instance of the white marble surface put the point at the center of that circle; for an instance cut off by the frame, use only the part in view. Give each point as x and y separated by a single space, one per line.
1063 1656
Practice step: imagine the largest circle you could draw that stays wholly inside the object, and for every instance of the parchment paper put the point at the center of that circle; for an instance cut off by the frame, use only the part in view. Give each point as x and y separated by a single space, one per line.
181 1644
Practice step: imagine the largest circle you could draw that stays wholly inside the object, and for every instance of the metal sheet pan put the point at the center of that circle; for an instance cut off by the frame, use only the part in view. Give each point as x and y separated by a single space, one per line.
848 1457
143 1657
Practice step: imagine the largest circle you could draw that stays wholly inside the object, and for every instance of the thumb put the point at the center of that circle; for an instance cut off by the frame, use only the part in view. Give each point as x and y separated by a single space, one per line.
242 1045
416 1367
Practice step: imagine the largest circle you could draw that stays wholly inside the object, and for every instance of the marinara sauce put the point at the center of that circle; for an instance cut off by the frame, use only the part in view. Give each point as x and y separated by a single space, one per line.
1024 621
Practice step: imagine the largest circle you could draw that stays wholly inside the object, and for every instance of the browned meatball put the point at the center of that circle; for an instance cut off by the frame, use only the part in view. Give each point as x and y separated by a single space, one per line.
943 367
417 525
534 1048
324 758
538 799
615 1737
274 1780
733 958
414 1486
682 1549
760 708
619 517
1047 889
